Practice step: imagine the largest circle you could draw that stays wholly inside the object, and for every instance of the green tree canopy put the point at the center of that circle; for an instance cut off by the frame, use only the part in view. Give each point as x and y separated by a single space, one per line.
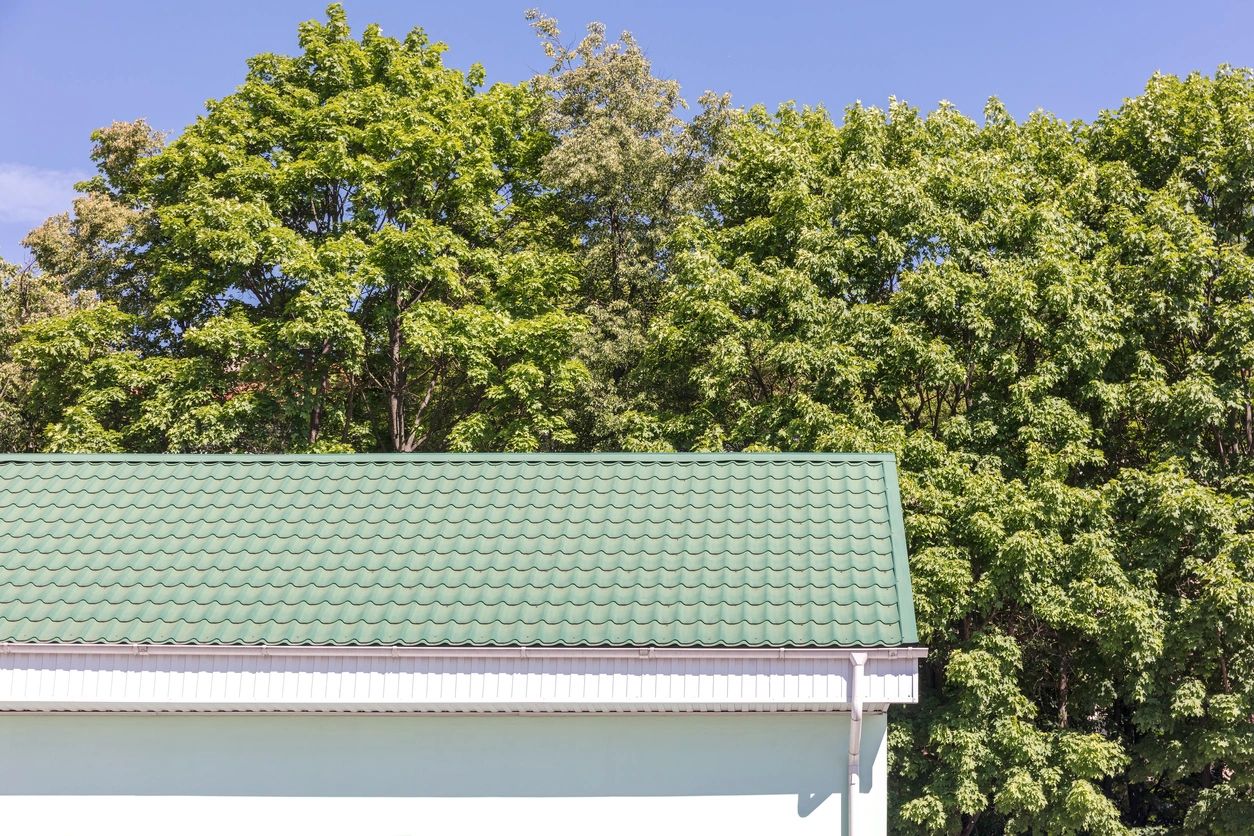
342 253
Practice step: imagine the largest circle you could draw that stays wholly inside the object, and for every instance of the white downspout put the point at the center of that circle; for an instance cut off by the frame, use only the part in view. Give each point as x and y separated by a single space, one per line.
858 664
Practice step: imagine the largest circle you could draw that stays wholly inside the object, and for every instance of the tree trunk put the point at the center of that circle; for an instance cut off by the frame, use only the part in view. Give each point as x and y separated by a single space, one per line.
315 416
401 443
1064 691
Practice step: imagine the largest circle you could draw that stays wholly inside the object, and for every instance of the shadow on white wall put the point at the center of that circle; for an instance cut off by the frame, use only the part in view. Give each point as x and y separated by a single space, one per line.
430 756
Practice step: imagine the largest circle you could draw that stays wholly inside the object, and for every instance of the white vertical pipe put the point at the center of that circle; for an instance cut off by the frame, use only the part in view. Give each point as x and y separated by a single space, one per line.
857 662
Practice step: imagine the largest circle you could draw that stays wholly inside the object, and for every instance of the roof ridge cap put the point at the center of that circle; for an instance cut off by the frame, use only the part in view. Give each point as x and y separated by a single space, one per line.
331 458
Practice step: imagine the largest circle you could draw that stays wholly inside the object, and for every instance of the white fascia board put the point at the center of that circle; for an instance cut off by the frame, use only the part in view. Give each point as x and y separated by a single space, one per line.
214 678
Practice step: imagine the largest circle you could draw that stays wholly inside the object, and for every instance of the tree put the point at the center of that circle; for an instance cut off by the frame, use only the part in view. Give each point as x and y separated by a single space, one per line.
95 248
1056 345
623 170
1176 164
918 284
26 297
346 248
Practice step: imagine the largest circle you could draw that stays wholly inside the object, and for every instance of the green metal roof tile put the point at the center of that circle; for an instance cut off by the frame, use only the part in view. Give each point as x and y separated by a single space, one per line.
723 550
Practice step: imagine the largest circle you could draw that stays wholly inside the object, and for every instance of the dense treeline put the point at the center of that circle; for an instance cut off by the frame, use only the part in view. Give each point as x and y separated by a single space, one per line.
1051 324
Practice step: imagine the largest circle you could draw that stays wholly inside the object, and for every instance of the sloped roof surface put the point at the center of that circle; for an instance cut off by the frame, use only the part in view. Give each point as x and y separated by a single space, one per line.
534 550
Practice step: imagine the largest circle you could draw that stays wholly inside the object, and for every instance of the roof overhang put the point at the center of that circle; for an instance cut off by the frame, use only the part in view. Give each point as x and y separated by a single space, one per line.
223 678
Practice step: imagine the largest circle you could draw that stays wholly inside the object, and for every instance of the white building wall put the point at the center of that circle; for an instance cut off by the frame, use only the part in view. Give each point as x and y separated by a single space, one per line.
732 773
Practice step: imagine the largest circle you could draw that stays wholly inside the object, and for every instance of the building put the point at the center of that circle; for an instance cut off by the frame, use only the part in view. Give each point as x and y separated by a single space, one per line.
608 643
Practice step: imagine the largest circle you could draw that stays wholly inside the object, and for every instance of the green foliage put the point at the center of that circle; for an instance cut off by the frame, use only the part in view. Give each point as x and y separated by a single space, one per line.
344 253
623 172
1051 324
26 297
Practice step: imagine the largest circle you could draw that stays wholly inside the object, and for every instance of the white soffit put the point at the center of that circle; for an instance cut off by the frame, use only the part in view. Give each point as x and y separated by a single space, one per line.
186 678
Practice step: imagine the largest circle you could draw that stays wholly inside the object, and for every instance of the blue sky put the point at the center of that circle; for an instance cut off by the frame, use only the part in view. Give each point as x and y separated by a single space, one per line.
70 66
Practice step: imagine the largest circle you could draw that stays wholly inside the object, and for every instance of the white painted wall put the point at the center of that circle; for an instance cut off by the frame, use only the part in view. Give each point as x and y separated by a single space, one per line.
100 775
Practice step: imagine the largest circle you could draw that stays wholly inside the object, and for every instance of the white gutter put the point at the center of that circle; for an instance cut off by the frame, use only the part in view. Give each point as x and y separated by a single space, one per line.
858 661
364 651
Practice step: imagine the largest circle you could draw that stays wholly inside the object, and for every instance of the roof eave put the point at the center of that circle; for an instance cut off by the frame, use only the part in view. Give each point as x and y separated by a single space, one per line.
215 678
477 651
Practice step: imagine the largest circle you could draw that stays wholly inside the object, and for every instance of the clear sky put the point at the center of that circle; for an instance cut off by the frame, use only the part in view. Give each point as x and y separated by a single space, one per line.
70 66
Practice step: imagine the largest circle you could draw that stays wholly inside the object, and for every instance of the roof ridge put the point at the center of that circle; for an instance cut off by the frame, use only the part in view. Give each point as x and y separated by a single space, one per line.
315 458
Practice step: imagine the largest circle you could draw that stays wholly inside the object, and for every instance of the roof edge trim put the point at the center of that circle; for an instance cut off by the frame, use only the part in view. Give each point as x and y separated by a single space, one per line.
68 649
317 458
901 559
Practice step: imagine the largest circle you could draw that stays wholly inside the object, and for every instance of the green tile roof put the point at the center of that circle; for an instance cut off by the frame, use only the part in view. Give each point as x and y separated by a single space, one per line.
556 550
